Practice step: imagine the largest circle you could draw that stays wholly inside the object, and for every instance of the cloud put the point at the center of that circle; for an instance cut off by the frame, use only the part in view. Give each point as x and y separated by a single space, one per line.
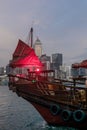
6 45
60 25
7 37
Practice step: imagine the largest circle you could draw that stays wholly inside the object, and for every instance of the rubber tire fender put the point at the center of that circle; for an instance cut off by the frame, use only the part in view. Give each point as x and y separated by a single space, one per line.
54 109
66 115
79 115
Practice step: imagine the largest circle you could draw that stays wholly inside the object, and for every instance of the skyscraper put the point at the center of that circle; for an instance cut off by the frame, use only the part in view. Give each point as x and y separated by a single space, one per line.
46 60
57 60
38 47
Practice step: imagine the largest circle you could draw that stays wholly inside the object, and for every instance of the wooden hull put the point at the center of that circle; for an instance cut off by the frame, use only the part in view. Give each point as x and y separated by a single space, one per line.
49 107
55 120
43 106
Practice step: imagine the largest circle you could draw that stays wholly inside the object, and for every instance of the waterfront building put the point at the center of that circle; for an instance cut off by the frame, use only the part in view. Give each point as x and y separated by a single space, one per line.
65 72
46 60
57 60
8 69
2 70
78 72
38 47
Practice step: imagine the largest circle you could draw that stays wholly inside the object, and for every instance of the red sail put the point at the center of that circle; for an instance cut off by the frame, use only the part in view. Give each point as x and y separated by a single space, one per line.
82 64
21 50
75 65
24 55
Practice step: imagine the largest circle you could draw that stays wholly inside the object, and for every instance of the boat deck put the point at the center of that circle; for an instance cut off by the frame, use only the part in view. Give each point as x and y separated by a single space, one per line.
57 90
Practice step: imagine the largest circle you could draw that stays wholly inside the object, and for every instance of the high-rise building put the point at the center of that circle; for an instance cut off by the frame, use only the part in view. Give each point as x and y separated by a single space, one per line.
57 60
65 72
38 47
46 61
56 63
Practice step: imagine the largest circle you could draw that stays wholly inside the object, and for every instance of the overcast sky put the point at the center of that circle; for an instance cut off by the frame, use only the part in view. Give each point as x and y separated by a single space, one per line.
61 25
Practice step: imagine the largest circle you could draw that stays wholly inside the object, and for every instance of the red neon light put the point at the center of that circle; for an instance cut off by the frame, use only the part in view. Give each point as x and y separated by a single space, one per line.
37 69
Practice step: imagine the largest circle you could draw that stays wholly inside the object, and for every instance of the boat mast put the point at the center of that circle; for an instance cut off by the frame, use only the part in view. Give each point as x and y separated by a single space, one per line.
31 32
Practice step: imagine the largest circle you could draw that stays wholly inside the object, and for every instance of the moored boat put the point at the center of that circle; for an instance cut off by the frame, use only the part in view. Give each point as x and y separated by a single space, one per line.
59 102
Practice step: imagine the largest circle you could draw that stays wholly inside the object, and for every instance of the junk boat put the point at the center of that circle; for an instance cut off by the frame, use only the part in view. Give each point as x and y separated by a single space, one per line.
59 102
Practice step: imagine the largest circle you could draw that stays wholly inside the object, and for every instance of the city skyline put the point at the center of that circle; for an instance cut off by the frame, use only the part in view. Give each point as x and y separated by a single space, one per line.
61 25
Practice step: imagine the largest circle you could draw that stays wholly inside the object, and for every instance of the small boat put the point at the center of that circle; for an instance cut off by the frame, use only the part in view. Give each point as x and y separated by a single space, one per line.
59 102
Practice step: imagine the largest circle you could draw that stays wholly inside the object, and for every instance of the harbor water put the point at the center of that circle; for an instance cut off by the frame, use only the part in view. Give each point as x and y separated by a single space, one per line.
18 114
